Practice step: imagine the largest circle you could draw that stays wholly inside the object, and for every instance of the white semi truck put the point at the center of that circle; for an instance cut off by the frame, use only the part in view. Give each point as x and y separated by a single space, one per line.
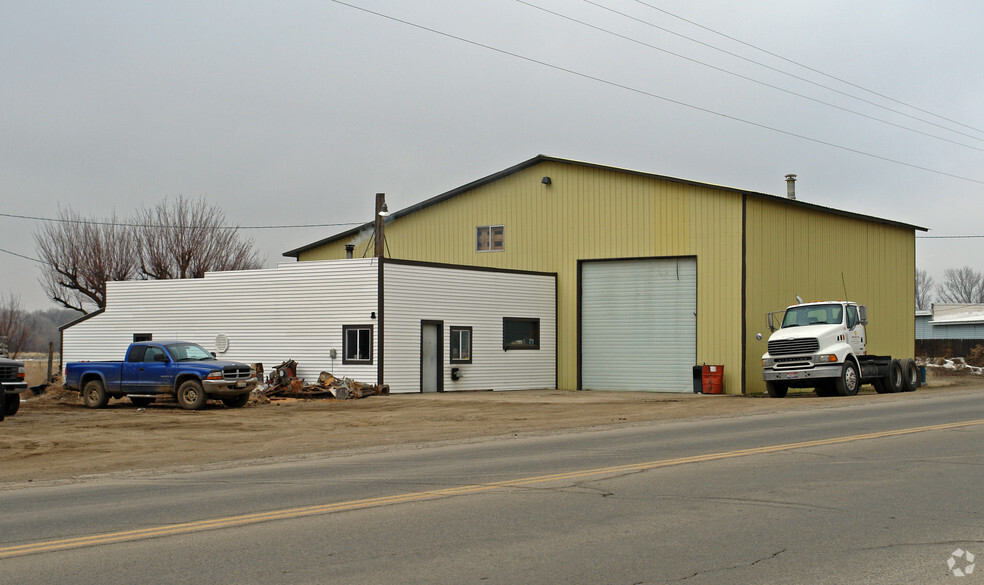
821 345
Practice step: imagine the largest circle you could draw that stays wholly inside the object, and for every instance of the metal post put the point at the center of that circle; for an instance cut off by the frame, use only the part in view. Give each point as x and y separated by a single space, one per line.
379 225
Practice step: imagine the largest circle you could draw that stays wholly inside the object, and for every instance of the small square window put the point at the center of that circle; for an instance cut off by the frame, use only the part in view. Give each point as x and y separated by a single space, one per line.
490 238
520 333
461 345
357 344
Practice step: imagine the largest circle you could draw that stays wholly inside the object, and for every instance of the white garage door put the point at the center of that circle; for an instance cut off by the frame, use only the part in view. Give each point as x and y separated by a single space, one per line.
639 324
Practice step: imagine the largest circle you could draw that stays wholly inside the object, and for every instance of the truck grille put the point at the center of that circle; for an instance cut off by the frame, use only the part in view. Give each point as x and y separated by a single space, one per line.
8 373
794 346
235 372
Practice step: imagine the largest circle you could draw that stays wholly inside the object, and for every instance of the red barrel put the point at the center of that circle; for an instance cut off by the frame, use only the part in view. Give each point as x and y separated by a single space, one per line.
712 379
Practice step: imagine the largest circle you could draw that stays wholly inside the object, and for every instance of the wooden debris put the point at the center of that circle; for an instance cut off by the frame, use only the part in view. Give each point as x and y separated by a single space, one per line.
283 381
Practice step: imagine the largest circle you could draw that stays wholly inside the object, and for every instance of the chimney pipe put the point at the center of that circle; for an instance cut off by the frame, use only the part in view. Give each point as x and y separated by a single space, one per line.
349 248
791 186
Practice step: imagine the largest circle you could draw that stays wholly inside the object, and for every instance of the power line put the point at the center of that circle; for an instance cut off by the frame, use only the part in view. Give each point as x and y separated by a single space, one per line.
123 223
740 76
22 256
807 67
653 95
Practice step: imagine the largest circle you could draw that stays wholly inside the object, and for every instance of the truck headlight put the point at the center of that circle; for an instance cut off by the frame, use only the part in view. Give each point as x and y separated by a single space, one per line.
827 357
20 372
214 375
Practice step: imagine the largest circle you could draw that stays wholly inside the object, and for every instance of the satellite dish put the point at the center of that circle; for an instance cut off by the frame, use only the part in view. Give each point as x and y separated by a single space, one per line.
221 343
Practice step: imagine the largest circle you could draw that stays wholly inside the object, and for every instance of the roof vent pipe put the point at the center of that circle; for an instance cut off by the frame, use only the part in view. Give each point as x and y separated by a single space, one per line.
791 186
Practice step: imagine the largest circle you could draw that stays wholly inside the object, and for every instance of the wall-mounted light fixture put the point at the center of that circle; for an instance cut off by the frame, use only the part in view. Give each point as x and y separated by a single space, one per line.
545 180
384 211
372 315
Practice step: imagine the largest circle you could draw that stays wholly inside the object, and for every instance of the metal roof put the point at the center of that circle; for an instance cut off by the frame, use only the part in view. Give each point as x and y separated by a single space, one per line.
544 158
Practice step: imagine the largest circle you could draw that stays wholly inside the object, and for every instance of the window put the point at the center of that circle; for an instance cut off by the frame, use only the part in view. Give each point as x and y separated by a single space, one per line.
489 238
150 355
830 314
461 345
357 344
520 333
852 317
136 353
142 337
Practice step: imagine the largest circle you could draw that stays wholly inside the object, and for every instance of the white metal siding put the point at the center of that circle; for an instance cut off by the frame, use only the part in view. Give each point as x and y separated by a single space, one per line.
468 298
295 311
639 324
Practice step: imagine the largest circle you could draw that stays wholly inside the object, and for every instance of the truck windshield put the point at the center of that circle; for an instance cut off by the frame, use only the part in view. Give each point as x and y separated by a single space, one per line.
187 352
813 315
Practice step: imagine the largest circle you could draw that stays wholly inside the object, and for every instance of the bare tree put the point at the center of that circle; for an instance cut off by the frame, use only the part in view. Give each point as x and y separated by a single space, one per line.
961 285
183 238
81 255
178 238
924 290
13 324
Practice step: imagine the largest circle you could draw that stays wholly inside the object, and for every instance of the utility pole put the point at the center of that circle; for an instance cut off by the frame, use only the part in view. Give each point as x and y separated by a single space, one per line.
379 225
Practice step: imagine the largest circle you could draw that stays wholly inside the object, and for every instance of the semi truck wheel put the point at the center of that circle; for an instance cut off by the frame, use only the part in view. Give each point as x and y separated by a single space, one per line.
894 380
94 394
910 375
191 396
776 389
825 389
848 383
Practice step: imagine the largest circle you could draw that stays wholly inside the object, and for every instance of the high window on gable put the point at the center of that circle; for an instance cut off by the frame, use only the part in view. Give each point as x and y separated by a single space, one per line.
490 238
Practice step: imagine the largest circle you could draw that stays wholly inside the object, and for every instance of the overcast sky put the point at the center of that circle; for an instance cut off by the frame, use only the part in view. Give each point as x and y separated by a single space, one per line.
290 112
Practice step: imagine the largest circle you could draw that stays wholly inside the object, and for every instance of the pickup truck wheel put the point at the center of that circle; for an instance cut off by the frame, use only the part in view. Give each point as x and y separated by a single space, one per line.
141 401
94 394
849 382
191 396
776 389
910 375
11 404
237 401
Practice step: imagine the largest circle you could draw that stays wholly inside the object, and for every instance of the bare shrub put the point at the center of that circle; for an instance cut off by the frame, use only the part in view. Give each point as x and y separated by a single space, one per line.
976 357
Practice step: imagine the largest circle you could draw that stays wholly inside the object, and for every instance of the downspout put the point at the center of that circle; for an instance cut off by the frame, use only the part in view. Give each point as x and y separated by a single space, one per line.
744 300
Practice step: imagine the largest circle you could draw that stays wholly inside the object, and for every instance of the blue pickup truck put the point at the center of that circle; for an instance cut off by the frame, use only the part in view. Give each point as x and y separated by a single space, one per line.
151 369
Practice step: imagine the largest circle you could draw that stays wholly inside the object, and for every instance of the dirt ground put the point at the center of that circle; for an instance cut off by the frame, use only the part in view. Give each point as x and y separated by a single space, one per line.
55 438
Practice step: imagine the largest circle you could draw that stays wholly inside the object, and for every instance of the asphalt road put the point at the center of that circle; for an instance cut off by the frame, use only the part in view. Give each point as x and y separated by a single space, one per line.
878 493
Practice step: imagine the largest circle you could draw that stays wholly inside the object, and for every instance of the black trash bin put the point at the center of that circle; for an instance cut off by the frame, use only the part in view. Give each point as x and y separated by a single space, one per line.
698 379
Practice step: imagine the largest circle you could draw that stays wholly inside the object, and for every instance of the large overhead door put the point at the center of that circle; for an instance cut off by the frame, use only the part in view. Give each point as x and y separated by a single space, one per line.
638 324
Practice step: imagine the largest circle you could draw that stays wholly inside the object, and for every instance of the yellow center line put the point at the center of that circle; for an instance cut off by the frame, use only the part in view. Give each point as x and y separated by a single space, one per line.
290 513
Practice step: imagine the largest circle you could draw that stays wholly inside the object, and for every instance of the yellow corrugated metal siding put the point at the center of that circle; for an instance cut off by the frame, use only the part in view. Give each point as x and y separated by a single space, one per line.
792 250
588 212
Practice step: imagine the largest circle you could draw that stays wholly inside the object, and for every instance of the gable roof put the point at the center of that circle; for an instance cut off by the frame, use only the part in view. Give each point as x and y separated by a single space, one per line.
296 252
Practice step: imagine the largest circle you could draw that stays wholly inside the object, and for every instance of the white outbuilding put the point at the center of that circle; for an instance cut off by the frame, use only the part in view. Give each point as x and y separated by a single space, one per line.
414 326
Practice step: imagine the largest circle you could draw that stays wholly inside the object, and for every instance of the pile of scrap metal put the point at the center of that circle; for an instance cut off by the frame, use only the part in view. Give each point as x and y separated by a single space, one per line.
283 381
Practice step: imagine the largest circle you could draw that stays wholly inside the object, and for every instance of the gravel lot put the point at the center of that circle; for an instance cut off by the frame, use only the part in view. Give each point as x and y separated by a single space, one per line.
55 438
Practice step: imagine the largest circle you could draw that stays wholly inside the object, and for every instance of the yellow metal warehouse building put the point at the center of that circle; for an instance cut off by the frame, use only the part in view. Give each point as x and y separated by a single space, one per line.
657 274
